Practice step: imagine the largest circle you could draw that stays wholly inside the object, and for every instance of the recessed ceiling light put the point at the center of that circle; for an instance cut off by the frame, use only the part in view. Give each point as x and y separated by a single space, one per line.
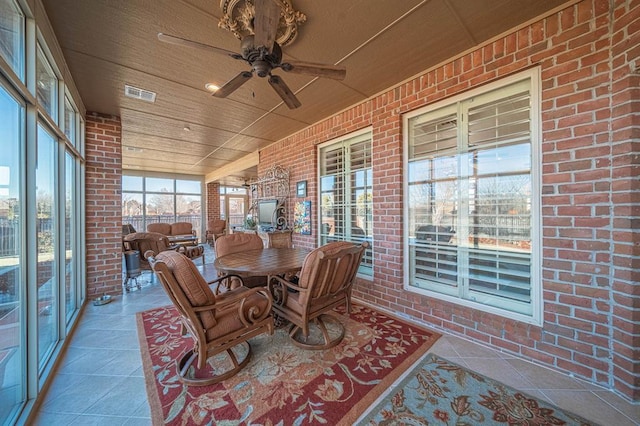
186 128
211 87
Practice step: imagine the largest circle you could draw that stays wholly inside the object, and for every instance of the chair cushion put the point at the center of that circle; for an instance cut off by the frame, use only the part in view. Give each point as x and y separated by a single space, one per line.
193 285
296 303
309 260
234 243
161 228
181 228
216 226
228 319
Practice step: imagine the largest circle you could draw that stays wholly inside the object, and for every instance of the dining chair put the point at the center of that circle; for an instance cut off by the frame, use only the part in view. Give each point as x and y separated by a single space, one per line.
219 322
325 282
280 239
215 229
239 242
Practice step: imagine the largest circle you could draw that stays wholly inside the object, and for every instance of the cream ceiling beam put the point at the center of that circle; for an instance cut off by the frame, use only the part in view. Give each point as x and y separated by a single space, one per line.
237 166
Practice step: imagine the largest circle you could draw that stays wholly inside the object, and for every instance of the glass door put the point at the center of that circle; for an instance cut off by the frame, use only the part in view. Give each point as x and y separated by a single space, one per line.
236 209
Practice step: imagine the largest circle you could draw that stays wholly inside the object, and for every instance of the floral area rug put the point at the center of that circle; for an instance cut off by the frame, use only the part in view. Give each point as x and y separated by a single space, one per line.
439 392
282 384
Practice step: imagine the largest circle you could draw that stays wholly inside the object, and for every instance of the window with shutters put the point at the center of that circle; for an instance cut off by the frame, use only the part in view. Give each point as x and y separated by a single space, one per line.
472 199
345 193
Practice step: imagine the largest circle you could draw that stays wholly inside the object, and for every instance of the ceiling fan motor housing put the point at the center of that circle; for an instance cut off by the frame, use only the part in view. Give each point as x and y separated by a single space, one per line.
259 57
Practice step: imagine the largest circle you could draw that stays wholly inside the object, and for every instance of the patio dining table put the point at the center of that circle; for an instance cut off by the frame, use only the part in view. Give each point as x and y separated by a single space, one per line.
261 262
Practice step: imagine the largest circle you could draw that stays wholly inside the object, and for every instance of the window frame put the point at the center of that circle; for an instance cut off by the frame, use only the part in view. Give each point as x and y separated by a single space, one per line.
533 76
34 368
20 72
367 267
145 193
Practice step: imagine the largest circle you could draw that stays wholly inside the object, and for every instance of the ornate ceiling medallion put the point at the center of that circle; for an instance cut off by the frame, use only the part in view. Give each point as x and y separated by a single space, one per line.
238 19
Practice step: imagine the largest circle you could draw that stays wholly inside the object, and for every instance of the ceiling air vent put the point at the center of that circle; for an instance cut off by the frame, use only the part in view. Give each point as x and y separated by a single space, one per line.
136 93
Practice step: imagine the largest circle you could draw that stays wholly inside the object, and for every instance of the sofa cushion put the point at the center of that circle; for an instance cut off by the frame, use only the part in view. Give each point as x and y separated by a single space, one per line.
181 228
161 228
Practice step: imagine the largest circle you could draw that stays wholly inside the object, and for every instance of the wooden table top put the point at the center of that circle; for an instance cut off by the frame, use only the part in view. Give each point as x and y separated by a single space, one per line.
268 261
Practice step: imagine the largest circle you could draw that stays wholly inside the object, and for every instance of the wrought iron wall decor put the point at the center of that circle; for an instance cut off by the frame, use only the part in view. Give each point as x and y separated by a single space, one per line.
272 185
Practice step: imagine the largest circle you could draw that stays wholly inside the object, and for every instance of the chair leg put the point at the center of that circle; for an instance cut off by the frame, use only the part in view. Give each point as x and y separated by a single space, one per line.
315 342
187 370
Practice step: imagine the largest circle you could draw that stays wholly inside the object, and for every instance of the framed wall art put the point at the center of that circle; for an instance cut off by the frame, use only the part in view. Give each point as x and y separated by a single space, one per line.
302 218
301 189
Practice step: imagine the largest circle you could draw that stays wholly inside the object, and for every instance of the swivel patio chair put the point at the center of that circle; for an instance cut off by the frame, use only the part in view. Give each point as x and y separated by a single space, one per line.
147 241
219 322
238 242
280 239
215 229
325 282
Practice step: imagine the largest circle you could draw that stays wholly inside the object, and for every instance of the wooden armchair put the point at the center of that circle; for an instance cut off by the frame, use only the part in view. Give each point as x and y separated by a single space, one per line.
325 281
215 228
219 322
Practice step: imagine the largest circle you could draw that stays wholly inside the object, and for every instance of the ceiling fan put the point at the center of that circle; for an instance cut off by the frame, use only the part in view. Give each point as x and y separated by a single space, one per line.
263 54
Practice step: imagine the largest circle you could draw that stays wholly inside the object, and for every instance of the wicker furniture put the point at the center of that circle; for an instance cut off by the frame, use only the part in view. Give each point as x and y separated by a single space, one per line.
325 282
217 321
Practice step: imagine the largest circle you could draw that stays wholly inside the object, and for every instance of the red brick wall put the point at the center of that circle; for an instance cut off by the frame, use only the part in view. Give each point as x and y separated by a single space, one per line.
213 201
589 60
103 204
625 198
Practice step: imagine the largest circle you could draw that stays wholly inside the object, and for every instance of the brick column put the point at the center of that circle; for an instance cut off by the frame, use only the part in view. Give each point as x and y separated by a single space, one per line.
103 204
213 201
625 126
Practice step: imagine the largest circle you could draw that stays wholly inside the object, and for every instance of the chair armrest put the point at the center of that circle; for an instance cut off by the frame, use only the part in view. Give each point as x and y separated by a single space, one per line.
280 295
221 280
231 299
288 284
248 312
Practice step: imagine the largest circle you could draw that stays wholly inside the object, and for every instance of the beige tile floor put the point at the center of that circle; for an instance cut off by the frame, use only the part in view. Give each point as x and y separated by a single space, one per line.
100 381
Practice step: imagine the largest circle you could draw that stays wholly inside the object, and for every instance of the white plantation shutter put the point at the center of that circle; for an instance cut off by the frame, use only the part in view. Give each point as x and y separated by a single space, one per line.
498 130
469 199
346 194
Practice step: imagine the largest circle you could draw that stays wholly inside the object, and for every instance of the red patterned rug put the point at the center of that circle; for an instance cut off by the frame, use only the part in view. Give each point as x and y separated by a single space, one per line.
282 384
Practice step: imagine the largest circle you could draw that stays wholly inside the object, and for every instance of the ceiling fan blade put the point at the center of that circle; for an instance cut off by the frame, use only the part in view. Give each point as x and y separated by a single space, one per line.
166 38
265 23
285 93
230 86
320 70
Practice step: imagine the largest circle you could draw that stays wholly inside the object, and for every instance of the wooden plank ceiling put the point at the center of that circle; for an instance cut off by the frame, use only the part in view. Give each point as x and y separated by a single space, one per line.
110 43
